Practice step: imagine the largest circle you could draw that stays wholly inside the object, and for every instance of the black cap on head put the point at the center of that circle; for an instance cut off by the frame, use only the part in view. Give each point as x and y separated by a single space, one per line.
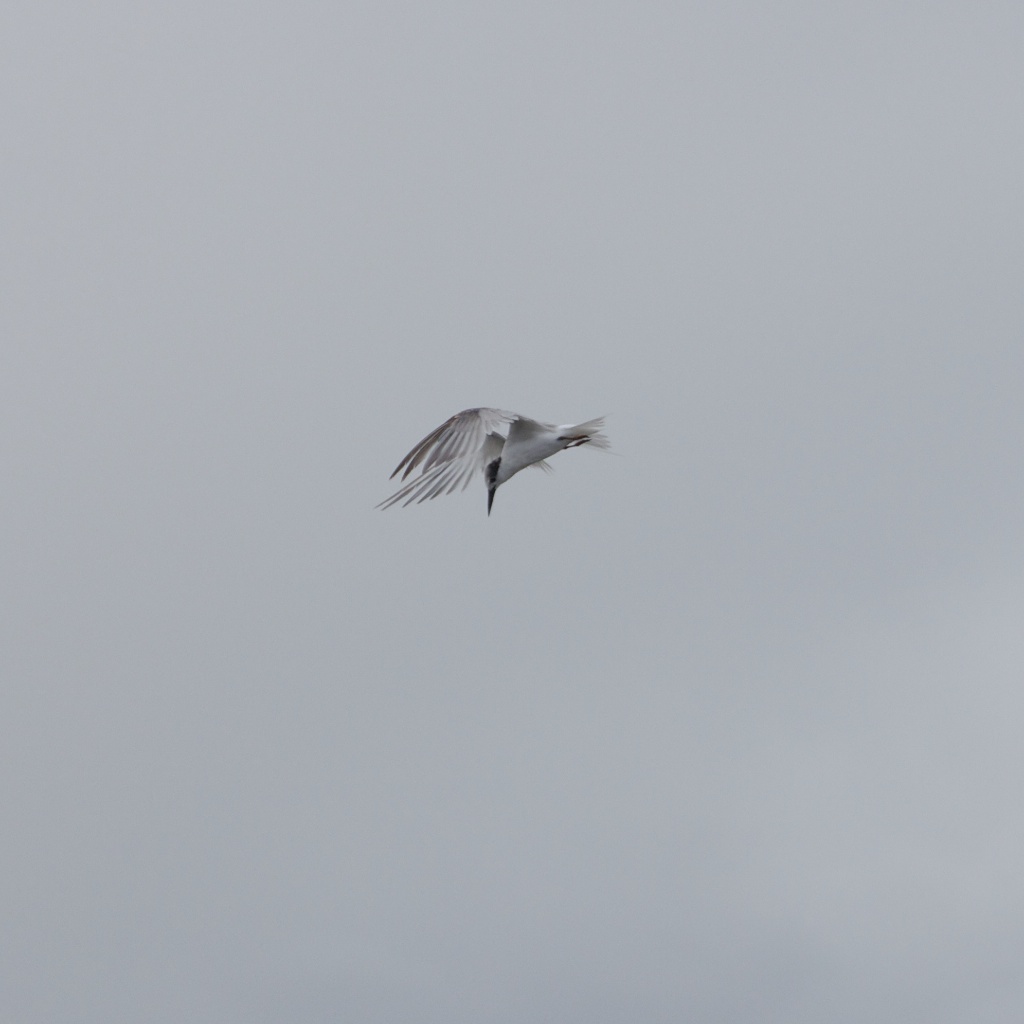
491 476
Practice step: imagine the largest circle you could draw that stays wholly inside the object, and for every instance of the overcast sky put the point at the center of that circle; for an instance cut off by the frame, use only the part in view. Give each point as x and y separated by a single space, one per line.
725 727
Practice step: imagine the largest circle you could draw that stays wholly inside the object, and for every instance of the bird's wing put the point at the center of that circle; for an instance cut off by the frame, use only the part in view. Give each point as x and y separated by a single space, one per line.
457 437
451 455
524 429
492 448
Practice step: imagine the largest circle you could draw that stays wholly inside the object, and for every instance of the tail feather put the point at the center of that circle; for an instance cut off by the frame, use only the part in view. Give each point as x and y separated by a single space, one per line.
591 430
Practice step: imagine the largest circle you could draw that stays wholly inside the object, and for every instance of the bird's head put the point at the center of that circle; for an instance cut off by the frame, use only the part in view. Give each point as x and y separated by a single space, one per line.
491 477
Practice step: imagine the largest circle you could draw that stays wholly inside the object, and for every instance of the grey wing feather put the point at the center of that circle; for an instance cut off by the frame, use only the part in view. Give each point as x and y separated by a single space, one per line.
523 429
451 455
461 434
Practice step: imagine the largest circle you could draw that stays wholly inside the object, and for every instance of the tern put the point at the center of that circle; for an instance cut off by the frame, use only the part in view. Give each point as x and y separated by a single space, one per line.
472 441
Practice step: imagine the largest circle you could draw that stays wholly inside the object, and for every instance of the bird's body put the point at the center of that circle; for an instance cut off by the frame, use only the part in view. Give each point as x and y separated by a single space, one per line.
472 441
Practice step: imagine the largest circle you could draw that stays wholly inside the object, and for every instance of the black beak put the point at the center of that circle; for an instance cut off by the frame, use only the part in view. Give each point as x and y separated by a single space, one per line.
490 498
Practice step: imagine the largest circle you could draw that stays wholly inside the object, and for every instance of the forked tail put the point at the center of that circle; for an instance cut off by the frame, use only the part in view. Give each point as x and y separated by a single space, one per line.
586 433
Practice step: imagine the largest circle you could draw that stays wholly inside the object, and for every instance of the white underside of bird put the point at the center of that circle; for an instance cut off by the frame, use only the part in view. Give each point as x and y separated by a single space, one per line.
473 442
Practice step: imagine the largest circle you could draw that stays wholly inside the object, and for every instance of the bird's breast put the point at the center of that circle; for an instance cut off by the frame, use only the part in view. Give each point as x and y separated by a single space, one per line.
520 454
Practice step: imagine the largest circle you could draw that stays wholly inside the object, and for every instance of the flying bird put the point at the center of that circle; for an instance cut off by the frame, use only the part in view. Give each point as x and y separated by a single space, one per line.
472 441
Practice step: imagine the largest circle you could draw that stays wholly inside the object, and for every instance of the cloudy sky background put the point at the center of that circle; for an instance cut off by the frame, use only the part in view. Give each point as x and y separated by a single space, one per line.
725 727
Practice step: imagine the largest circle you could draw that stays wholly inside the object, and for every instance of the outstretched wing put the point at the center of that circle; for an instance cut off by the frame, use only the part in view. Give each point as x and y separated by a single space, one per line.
451 455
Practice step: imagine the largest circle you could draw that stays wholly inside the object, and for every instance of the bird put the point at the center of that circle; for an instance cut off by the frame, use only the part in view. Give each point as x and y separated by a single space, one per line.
473 441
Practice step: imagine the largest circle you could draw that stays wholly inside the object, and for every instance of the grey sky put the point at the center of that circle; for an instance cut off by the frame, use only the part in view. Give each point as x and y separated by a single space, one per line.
723 728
